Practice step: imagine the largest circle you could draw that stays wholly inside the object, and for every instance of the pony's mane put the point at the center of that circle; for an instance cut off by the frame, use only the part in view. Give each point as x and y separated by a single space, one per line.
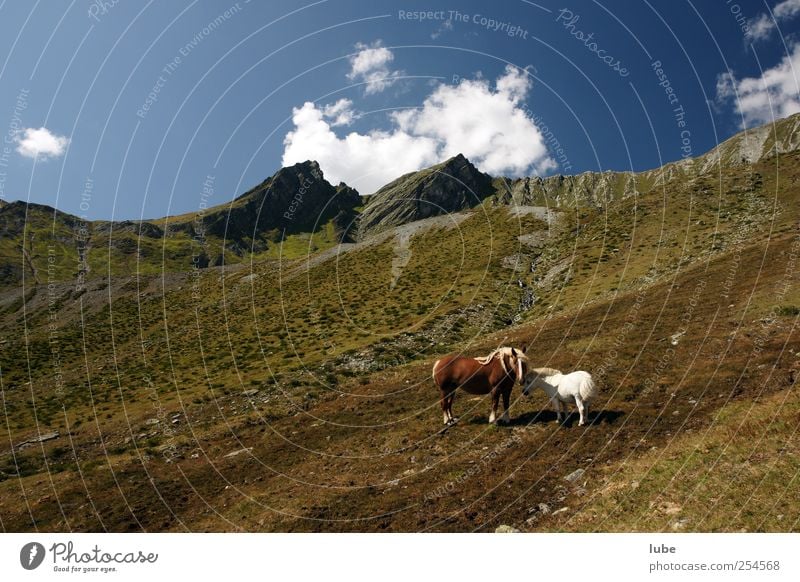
545 371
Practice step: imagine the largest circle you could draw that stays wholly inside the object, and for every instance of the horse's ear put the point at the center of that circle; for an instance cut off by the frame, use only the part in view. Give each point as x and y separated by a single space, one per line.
524 349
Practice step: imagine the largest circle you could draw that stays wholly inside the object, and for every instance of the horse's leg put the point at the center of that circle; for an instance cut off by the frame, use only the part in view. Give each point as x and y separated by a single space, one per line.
450 398
506 398
495 402
445 402
579 404
557 407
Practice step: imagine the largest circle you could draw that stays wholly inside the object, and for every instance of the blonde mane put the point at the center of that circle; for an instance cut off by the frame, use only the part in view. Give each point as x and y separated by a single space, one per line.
501 352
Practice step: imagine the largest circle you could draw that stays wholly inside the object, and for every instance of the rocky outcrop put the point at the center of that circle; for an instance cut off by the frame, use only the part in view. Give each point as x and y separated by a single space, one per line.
601 188
296 199
447 187
587 189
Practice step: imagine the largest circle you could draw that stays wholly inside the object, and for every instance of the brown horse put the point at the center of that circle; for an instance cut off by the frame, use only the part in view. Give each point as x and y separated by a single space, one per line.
495 374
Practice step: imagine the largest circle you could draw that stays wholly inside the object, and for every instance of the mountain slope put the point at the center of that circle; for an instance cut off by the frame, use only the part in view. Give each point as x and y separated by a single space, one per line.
601 188
451 186
295 395
294 212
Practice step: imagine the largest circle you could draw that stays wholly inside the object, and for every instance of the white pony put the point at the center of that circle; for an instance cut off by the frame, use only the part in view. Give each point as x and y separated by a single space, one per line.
563 388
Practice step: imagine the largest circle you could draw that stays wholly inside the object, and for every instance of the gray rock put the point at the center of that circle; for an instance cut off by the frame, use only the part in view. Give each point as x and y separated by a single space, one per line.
151 422
239 452
44 437
575 475
251 392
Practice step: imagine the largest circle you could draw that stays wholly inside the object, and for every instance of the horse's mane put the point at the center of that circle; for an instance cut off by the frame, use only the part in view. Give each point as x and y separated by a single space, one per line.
500 352
545 371
483 360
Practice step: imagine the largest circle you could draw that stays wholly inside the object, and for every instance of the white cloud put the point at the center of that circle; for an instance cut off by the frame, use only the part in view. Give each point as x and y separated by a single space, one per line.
340 112
41 142
773 95
786 9
488 125
762 26
371 66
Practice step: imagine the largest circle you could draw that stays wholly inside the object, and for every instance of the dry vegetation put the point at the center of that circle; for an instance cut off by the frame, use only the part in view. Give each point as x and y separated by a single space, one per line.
684 302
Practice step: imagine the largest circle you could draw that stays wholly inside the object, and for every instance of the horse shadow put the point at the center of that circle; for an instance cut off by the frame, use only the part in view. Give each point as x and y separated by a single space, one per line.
549 416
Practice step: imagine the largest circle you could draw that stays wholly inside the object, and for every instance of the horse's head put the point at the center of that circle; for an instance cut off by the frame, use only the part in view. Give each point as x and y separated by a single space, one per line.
530 383
518 361
538 378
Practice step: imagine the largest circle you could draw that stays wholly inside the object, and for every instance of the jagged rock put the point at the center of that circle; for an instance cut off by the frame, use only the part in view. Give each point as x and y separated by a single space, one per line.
251 392
295 199
452 186
239 452
44 437
506 529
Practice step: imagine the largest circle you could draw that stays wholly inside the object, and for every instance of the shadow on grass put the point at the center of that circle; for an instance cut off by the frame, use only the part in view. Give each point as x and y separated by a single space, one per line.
545 416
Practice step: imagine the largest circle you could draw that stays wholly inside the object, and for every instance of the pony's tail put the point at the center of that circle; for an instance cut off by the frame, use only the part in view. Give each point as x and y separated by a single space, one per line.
588 389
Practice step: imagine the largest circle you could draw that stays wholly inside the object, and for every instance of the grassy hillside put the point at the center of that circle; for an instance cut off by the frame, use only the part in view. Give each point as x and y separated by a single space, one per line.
294 393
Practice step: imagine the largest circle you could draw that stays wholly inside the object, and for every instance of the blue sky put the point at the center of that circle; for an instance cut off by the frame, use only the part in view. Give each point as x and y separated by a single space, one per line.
124 110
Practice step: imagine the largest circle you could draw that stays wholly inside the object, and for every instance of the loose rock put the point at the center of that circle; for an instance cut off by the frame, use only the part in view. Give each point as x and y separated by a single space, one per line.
575 475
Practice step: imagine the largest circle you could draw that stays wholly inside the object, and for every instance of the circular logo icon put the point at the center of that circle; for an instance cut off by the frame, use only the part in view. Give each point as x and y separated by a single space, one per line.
31 555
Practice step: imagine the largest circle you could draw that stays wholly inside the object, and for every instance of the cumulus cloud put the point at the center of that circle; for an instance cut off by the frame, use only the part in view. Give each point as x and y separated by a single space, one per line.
41 142
773 95
489 125
339 113
762 26
371 66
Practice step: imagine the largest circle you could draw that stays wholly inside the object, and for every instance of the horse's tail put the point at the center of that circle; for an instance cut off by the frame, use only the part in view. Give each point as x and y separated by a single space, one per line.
433 373
587 388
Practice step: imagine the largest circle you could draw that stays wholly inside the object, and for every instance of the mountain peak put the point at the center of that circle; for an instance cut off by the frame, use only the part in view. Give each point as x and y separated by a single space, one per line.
450 186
